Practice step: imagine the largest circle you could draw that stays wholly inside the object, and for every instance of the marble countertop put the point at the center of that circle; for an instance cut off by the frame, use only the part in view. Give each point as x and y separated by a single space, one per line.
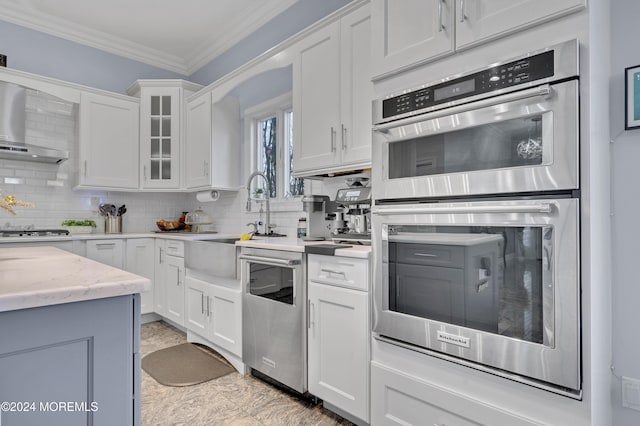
272 243
185 236
42 276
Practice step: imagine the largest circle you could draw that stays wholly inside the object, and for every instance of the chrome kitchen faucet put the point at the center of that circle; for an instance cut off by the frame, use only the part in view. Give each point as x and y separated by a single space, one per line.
267 224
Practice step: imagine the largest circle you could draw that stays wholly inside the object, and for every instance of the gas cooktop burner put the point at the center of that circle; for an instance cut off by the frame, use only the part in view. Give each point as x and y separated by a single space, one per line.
34 233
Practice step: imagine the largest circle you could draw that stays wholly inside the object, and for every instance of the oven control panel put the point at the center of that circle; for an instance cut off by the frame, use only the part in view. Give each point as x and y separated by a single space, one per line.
525 70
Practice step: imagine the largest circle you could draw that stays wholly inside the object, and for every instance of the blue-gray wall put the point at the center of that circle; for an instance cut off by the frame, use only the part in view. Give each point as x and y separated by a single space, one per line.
293 20
39 53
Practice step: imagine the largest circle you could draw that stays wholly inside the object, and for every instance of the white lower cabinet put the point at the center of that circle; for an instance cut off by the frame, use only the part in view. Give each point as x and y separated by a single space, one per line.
174 289
169 291
139 260
398 398
110 252
339 333
215 313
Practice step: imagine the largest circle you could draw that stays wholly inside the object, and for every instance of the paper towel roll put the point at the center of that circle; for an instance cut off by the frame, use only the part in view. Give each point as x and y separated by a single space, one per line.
206 196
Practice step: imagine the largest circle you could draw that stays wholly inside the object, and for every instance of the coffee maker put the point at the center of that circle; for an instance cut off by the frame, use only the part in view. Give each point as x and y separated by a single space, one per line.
318 222
354 203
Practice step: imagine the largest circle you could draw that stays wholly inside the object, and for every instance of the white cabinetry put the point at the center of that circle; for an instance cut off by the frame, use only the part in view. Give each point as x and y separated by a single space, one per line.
215 313
110 252
411 32
169 284
332 97
108 142
339 332
139 260
161 130
481 20
212 143
398 398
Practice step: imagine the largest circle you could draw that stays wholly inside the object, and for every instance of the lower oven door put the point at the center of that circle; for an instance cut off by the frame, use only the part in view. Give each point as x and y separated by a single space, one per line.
491 284
274 328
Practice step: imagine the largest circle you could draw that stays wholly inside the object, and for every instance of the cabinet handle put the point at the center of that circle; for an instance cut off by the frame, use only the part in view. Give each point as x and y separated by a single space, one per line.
440 24
160 257
85 168
144 172
344 137
202 303
208 306
311 315
425 255
333 140
462 17
98 245
332 271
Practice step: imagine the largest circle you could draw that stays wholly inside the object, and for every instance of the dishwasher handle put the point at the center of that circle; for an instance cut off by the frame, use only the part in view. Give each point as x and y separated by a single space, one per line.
264 260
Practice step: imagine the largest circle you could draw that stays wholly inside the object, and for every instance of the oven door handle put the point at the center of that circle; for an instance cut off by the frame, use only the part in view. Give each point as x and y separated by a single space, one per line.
534 92
269 260
527 208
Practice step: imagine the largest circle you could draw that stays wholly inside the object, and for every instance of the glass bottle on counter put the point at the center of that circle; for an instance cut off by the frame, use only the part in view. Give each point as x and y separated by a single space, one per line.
302 227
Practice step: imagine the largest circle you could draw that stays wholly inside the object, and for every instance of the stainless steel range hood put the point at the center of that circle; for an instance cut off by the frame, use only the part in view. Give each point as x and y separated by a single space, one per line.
13 129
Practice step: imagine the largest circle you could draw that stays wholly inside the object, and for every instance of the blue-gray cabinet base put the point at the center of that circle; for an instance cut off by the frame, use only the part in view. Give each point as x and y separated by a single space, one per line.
71 364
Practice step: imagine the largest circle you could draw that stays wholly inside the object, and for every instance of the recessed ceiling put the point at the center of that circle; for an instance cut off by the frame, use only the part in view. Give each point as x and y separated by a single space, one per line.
179 36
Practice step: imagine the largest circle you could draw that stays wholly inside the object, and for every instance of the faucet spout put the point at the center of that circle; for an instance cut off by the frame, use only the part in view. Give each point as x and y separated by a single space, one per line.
267 225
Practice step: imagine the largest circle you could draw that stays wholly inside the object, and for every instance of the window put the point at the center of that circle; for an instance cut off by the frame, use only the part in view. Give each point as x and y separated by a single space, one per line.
269 130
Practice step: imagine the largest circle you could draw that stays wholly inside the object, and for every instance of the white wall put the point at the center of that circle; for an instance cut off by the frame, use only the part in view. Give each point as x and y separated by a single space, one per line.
625 184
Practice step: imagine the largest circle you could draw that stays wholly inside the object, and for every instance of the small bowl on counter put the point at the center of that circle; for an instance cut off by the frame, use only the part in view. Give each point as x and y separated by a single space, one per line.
170 225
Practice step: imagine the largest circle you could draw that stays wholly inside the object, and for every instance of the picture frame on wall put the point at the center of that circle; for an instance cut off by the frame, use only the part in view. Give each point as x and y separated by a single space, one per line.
632 98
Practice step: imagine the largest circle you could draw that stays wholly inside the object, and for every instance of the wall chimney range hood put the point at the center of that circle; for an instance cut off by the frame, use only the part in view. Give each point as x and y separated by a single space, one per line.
13 129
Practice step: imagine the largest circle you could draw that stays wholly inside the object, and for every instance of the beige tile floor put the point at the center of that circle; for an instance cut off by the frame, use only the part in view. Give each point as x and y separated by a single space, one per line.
233 399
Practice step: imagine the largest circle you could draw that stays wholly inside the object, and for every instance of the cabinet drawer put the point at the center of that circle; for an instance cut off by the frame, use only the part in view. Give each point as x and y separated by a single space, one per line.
174 248
340 271
399 399
427 254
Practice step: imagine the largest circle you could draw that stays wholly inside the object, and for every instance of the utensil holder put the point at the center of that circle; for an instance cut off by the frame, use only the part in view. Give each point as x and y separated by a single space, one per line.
113 225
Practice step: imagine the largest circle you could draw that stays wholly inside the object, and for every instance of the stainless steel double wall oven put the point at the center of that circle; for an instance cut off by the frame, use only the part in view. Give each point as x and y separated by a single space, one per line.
475 227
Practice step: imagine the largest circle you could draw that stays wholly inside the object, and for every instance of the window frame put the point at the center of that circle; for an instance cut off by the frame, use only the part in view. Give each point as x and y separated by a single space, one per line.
277 107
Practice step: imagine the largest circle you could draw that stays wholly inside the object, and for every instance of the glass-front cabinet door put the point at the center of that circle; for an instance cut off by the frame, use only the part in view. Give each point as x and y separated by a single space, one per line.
161 130
160 138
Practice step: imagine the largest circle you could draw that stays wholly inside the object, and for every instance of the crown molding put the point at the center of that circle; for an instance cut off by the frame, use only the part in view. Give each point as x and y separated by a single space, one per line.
208 50
235 31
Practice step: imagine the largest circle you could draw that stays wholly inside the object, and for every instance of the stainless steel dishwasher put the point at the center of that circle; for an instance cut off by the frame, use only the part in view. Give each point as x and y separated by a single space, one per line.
274 315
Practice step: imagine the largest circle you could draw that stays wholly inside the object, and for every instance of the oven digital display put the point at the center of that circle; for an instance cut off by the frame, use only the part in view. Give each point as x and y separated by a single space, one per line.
453 90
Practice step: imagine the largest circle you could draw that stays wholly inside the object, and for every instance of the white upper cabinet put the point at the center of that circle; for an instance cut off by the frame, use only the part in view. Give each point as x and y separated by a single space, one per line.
160 138
481 20
161 130
412 32
356 87
212 149
332 97
198 142
108 142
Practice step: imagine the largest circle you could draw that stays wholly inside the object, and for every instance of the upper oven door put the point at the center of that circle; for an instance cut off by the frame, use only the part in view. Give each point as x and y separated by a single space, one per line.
524 141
